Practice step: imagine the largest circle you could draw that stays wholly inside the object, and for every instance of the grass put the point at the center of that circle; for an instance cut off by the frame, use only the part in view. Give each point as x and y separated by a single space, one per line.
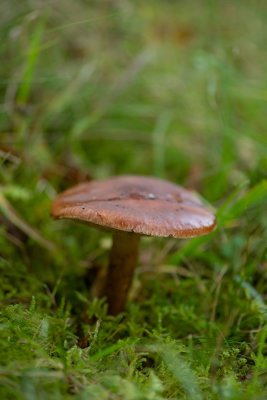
170 89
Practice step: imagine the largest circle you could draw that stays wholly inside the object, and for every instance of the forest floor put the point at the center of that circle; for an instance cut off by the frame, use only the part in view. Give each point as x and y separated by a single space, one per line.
172 89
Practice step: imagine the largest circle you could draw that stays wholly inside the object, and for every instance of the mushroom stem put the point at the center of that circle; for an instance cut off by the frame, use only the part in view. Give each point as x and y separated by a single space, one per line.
122 262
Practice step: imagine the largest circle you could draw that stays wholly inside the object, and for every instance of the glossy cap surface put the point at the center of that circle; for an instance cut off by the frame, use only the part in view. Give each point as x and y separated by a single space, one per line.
140 204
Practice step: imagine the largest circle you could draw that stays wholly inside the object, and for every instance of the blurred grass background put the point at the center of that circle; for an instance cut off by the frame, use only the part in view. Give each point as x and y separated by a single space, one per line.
174 89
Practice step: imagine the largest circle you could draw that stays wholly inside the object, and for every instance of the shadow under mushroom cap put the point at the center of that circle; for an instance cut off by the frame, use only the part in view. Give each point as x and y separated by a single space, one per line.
139 204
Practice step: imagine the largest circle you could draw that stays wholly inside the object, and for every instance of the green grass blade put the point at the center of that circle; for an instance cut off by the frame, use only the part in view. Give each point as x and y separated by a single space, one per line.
32 57
159 143
111 350
253 196
180 370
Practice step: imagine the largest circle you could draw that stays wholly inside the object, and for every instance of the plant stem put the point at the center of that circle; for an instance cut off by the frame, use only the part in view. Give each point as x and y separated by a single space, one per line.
122 263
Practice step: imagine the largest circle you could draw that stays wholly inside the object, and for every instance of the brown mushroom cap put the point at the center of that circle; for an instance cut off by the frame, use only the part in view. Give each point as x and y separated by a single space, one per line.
139 204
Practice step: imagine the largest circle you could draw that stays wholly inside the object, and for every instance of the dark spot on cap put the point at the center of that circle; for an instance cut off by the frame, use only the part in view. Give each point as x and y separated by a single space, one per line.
177 197
136 196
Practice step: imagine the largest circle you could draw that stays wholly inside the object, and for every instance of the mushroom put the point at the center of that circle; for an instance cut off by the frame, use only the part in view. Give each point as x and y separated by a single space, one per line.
129 206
